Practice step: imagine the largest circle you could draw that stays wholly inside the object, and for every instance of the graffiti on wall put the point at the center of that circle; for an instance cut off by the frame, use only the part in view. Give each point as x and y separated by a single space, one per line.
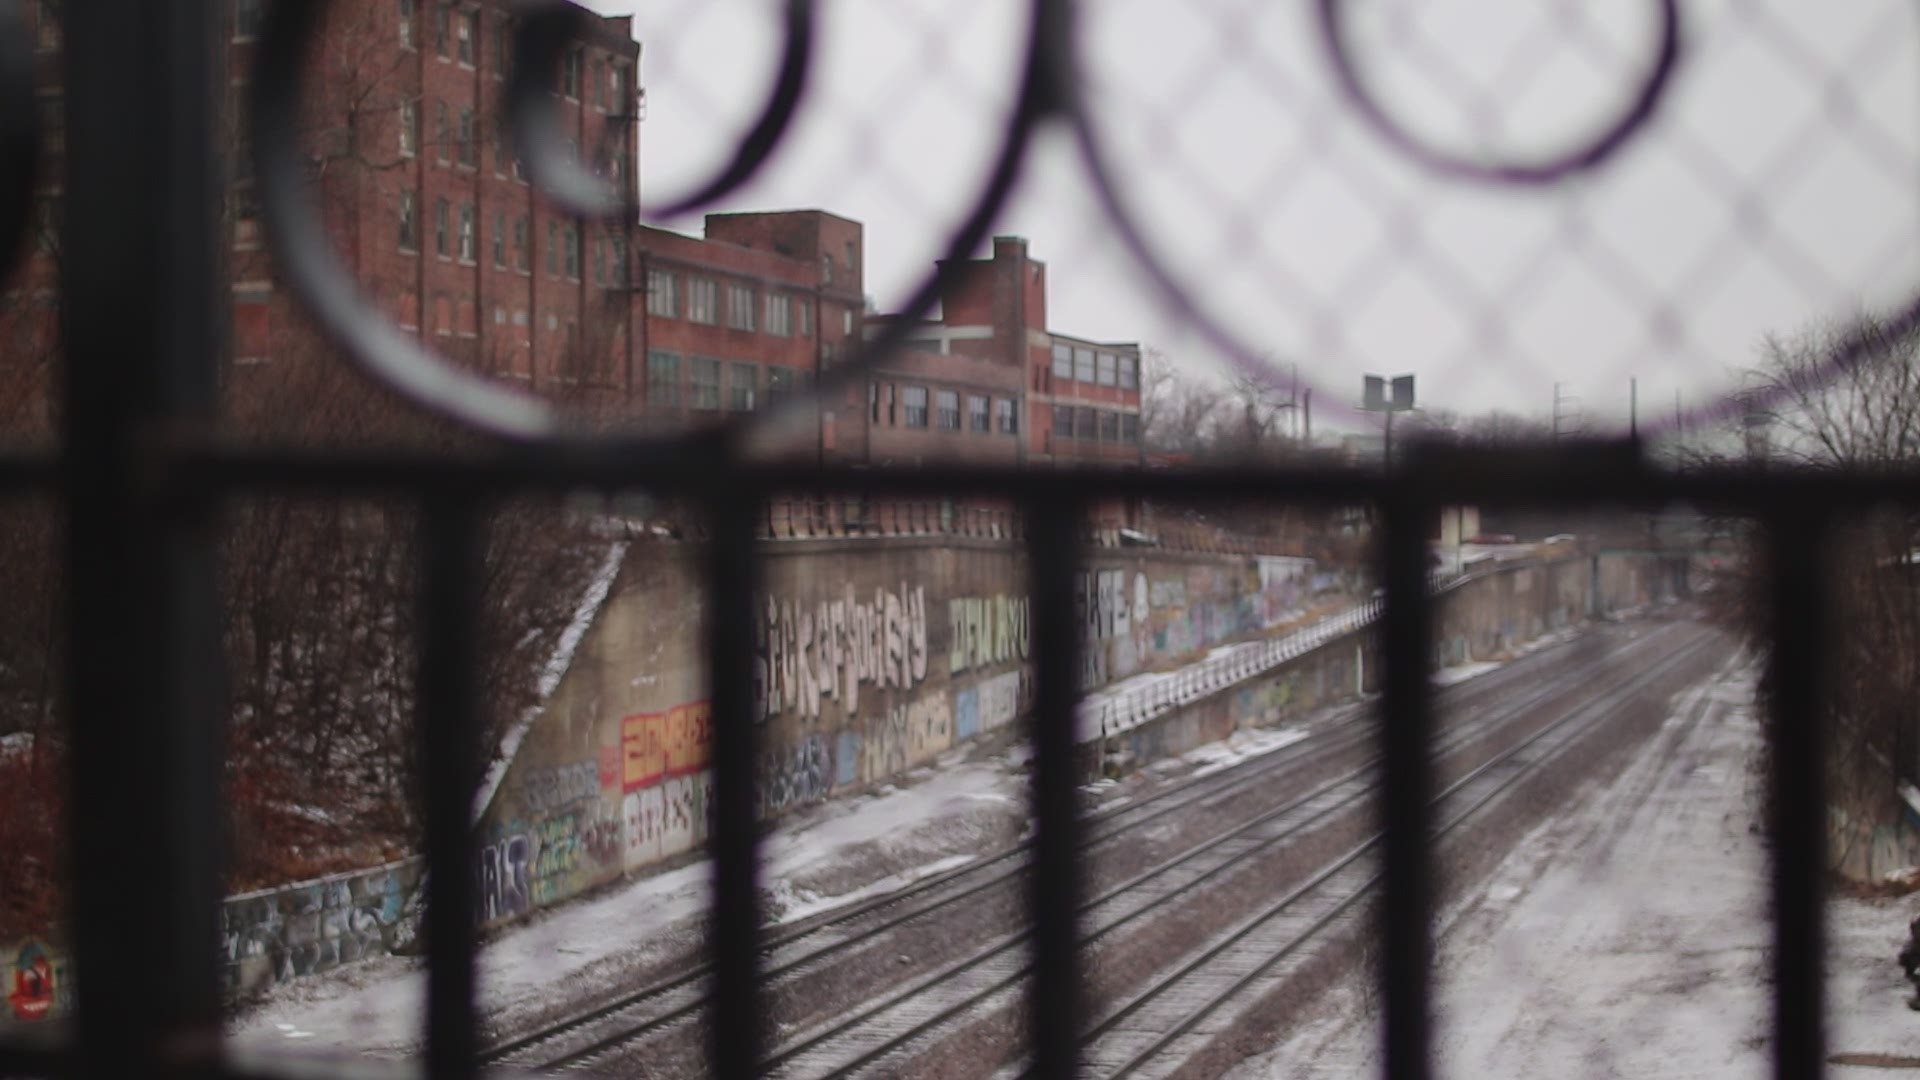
39 987
272 936
796 775
1284 583
504 878
906 736
666 819
560 785
660 746
986 630
828 649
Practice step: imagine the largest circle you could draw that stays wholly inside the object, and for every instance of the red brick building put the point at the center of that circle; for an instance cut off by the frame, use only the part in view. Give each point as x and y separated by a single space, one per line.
987 381
427 207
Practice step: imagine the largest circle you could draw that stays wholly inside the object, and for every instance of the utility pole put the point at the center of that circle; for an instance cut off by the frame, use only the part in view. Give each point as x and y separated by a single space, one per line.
1633 408
1560 399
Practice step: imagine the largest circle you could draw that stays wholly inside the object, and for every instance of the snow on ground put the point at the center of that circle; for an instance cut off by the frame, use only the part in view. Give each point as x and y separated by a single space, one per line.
838 853
1628 937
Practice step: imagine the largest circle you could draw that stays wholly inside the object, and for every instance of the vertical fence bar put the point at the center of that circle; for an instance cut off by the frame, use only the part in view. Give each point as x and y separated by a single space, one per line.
1406 733
449 756
1795 669
1054 1009
735 1021
141 330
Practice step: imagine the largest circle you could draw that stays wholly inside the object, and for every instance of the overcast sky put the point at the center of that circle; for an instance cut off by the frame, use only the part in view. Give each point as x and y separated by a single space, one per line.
1778 183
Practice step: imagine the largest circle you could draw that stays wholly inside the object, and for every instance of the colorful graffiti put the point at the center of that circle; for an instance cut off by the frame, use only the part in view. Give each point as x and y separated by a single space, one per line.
986 630
37 984
662 745
828 649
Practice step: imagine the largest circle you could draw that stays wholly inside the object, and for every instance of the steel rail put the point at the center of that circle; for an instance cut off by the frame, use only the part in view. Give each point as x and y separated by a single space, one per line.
1550 740
1353 785
933 894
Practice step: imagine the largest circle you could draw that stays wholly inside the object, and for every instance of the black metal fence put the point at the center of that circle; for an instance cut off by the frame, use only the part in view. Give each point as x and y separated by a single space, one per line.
141 476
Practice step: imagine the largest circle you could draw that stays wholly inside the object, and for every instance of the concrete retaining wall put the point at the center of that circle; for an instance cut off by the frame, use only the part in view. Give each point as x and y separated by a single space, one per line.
1486 616
872 657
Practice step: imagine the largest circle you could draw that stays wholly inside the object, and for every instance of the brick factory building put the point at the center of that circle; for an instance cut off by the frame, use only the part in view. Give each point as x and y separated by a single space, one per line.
987 381
426 206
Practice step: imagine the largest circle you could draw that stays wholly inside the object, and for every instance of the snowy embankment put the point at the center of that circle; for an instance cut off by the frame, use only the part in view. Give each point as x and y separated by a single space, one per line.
1628 935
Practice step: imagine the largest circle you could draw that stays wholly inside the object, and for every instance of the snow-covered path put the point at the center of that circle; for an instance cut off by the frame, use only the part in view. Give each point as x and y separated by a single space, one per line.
1628 937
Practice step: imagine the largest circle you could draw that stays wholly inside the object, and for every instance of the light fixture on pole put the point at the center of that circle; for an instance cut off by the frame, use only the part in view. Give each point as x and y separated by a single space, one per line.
1376 395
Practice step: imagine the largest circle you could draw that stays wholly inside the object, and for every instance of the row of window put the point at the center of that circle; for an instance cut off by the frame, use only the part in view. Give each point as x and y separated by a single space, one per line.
710 381
1095 425
457 140
783 315
1092 366
455 234
907 406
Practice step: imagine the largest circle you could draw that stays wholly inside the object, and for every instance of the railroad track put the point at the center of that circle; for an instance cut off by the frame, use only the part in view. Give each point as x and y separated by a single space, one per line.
1156 1030
665 1007
880 1033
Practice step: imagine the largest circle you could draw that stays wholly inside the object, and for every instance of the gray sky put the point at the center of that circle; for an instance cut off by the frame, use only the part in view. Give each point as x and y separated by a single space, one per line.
1778 183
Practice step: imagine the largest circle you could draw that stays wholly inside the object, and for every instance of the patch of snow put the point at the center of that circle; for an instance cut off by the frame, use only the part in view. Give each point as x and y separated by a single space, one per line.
1251 743
1462 672
1628 935
553 671
797 904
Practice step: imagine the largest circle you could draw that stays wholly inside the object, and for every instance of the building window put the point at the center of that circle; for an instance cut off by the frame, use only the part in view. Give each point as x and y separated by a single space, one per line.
846 322
803 317
826 354
440 131
467 31
1109 427
502 44
520 243
947 408
246 19
1130 372
440 215
570 74
779 315
499 240
466 232
703 383
826 269
572 235
743 386
703 301
1005 418
779 383
469 146
1063 421
409 128
553 248
1063 361
1085 425
739 307
617 80
619 245
409 223
1083 365
598 84
663 296
406 24
1130 428
442 27
1106 369
853 256
914 399
663 380
977 419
